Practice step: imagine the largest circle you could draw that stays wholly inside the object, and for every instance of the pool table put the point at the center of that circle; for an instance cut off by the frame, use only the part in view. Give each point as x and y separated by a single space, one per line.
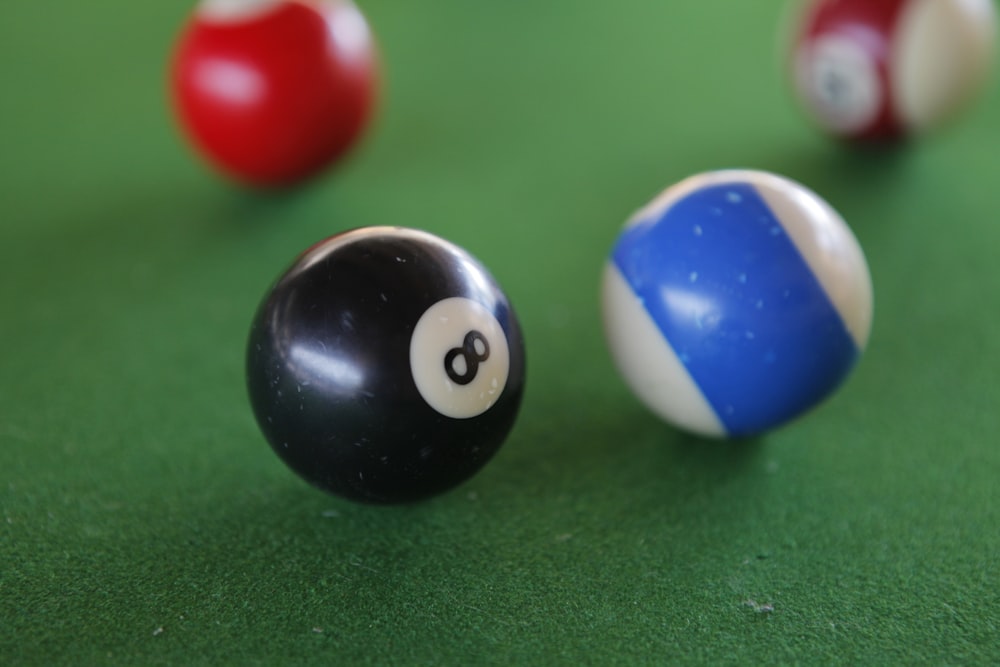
144 520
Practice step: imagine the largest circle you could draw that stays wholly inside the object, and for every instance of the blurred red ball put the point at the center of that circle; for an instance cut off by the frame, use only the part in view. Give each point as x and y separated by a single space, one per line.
273 91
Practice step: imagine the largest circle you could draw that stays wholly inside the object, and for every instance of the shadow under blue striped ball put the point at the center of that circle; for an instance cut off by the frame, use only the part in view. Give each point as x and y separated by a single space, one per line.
736 301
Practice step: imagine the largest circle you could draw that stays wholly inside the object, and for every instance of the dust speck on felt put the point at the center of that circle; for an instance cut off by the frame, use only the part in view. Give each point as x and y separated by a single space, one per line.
759 607
318 631
158 631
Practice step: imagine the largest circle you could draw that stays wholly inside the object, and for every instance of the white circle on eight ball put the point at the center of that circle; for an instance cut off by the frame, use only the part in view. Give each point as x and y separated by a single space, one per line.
459 358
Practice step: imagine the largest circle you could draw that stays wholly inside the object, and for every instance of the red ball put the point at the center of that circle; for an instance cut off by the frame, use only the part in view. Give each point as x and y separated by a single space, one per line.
273 91
884 69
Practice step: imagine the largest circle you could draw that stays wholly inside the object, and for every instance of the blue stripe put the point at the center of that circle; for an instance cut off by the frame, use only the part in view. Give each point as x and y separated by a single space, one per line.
739 305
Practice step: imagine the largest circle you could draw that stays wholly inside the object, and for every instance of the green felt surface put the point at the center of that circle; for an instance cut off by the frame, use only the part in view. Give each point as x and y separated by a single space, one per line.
145 521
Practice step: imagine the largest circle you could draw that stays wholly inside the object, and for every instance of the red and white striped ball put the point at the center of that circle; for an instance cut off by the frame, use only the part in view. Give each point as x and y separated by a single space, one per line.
885 69
273 91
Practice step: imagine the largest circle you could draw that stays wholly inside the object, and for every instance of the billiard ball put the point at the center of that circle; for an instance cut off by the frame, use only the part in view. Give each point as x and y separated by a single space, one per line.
386 365
273 91
886 69
734 302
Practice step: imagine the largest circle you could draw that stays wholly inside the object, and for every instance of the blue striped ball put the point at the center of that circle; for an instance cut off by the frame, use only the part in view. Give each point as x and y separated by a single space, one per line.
736 301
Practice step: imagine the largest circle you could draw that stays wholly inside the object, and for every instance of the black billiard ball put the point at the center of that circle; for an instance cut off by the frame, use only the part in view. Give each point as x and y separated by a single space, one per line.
386 365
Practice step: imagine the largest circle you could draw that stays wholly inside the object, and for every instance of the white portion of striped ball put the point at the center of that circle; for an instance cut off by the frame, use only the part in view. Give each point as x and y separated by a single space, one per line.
648 364
941 55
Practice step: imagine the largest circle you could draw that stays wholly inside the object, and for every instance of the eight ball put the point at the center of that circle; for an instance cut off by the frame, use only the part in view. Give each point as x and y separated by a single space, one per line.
386 365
